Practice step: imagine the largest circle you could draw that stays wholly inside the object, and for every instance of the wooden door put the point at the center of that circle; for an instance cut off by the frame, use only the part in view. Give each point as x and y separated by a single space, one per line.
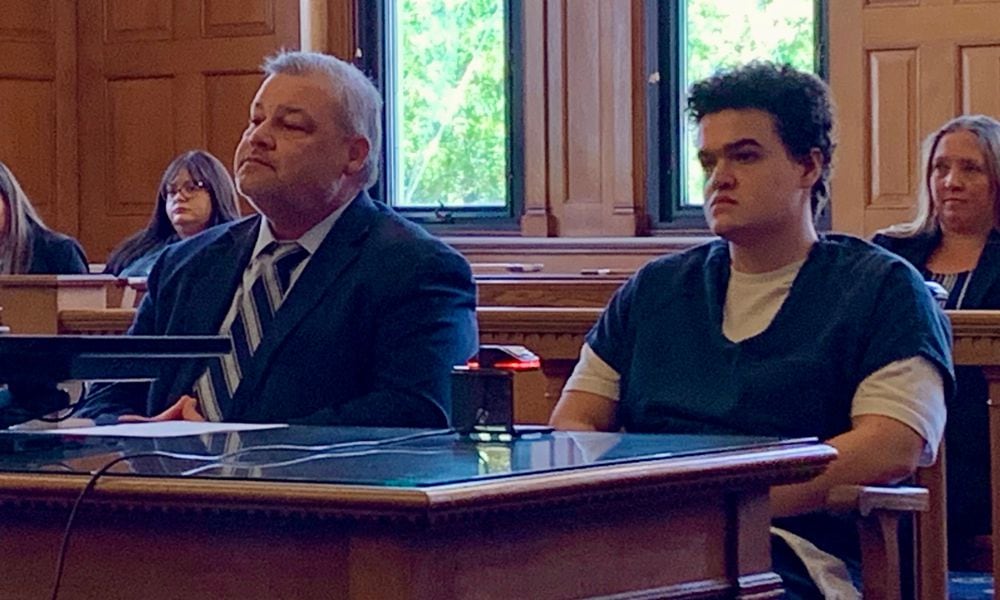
38 104
157 78
899 69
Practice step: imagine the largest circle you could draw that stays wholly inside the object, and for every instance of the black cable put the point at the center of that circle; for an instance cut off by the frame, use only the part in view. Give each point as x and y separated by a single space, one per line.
61 558
73 409
218 460
337 446
305 459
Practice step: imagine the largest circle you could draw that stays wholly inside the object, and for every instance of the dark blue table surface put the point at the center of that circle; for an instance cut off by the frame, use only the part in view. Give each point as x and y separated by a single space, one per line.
363 456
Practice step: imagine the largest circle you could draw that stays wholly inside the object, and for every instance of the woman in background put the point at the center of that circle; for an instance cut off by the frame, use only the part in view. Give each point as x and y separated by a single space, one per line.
955 242
27 246
195 193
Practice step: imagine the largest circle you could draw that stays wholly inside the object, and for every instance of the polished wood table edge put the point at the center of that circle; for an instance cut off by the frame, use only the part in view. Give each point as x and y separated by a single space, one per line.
653 478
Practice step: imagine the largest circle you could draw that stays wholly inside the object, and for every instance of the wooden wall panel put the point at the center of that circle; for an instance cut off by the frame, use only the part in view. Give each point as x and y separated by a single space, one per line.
892 81
38 104
137 144
27 21
234 18
159 77
342 29
898 71
27 145
583 113
227 102
138 20
537 219
592 51
981 80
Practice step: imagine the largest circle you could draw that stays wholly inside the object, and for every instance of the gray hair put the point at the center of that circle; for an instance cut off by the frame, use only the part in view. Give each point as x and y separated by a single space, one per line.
987 132
359 103
16 242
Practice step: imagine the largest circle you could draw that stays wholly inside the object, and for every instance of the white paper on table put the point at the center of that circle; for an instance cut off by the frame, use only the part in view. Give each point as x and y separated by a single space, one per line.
160 429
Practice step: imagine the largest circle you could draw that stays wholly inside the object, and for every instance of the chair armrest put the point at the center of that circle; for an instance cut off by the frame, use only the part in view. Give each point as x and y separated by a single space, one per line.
864 499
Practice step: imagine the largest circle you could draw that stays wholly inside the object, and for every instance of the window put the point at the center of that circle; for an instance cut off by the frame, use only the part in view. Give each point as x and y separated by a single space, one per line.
451 140
689 41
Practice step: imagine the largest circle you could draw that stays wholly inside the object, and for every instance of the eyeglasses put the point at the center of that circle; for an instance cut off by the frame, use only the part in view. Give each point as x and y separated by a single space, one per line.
187 188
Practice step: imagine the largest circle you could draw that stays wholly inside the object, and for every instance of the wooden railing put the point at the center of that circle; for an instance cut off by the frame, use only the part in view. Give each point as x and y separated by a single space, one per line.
565 292
508 289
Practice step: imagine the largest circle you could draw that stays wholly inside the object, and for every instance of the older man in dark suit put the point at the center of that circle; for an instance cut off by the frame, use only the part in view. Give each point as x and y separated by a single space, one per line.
340 311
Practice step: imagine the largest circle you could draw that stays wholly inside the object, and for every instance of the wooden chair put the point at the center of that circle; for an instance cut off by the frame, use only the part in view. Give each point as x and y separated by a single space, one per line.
879 512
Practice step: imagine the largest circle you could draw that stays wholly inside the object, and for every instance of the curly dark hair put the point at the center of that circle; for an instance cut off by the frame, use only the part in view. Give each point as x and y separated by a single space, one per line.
799 102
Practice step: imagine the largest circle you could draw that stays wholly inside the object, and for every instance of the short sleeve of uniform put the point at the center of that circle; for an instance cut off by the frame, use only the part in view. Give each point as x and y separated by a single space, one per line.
611 338
905 322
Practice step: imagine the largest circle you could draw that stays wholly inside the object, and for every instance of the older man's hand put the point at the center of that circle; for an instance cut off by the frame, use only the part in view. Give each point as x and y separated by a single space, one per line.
185 409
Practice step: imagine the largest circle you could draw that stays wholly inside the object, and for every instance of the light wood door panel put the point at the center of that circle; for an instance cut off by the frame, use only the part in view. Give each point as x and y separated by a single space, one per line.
899 69
38 104
157 78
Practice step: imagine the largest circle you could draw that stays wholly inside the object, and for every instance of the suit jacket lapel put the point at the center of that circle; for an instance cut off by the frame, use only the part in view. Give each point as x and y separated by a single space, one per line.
340 248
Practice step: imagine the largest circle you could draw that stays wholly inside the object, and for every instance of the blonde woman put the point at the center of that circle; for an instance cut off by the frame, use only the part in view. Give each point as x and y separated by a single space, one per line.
26 244
955 241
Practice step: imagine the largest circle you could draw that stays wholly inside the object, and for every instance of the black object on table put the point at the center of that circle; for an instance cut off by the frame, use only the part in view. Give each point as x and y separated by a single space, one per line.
32 365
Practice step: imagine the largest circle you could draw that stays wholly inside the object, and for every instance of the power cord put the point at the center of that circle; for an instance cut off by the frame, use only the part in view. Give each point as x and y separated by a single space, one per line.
218 460
305 459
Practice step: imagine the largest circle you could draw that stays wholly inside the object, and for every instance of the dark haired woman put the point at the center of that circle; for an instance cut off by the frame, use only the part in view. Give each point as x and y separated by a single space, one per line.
195 193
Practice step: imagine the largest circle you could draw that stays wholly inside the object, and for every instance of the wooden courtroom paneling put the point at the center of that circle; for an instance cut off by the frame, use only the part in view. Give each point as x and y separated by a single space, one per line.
582 177
38 100
899 69
981 79
894 144
157 78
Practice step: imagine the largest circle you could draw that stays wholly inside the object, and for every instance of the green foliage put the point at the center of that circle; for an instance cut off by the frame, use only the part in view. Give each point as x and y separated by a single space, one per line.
453 142
723 33
454 130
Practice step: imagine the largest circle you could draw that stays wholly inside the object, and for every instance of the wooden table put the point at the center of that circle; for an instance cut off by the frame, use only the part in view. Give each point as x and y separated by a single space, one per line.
558 516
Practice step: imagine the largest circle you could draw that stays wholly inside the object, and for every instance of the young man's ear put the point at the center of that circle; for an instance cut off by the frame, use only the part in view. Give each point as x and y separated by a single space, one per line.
812 167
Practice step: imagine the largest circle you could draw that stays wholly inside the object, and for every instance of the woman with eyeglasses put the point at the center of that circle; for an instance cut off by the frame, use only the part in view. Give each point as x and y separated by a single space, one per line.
195 193
27 246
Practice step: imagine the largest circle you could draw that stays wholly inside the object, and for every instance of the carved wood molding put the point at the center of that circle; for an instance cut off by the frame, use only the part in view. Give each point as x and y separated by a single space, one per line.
107 321
537 320
976 336
575 293
654 479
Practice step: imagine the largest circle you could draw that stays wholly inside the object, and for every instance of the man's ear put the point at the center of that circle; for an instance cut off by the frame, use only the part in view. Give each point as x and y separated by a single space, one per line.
357 153
812 168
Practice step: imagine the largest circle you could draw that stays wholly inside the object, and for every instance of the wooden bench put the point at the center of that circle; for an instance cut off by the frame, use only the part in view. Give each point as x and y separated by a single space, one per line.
571 291
507 289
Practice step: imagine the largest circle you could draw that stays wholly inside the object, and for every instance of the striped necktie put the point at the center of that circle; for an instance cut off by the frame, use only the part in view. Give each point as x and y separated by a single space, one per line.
247 323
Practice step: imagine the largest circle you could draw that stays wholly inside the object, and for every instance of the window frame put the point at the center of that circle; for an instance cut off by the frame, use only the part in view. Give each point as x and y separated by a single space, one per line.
375 28
665 121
